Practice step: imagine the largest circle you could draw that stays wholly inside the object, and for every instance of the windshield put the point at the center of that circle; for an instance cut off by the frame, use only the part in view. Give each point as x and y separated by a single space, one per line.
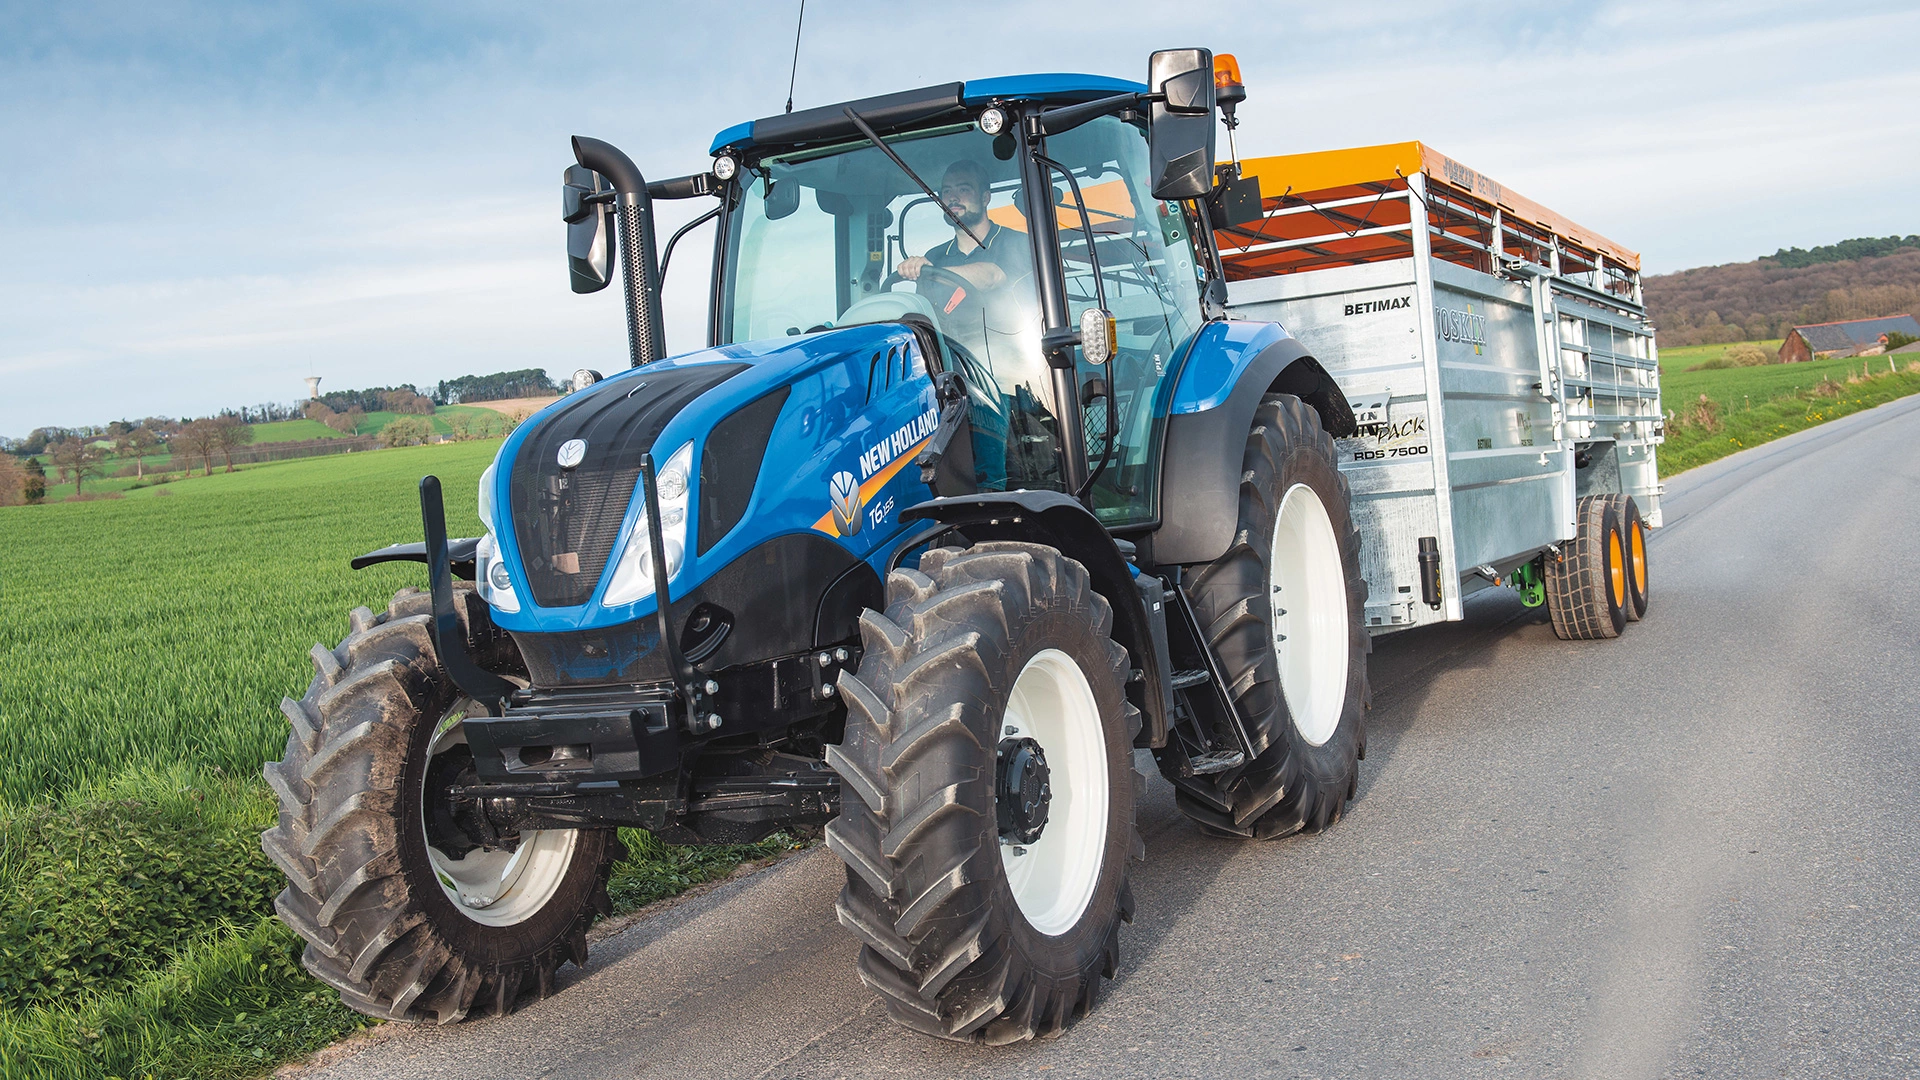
840 235
837 236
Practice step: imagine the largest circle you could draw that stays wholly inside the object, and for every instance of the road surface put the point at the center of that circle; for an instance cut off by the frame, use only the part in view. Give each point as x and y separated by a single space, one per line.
1692 851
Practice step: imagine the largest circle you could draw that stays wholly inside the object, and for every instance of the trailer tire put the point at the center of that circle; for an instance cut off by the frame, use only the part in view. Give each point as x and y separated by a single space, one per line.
1307 739
1587 584
1633 539
967 934
363 887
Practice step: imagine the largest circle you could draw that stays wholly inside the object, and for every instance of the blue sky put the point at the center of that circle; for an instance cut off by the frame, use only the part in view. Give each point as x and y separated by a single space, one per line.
201 204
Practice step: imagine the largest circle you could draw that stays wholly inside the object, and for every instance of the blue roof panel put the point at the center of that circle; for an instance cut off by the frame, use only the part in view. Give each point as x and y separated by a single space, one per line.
1054 85
738 133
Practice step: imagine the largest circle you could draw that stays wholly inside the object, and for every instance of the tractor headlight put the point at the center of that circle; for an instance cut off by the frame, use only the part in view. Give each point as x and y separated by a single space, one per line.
490 571
485 501
633 575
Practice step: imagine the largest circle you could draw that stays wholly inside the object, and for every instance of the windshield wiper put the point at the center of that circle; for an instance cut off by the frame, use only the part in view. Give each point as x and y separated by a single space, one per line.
911 175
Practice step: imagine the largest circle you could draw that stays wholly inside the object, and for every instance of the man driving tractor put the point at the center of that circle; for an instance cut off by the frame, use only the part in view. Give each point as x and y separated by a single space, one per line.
985 253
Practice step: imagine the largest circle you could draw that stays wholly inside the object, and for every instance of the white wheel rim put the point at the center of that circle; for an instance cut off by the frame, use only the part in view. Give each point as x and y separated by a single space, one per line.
1053 877
1309 596
499 888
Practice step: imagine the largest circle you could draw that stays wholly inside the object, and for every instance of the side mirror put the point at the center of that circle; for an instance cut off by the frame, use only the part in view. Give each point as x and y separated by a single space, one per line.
586 204
1180 125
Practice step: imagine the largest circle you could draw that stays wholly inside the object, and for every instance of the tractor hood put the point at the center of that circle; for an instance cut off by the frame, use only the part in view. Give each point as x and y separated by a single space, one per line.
801 444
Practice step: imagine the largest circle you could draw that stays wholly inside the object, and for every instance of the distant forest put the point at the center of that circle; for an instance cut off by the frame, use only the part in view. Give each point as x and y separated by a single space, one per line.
1844 251
527 382
1763 299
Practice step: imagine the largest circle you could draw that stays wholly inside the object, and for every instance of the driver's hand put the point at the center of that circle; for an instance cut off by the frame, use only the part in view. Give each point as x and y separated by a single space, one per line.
910 268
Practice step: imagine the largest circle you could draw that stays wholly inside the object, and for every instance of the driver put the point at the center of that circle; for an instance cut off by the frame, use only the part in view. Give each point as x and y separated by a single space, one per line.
1000 256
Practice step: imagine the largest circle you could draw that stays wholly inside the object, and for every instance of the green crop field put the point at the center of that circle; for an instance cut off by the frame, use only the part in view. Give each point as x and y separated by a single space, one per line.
144 645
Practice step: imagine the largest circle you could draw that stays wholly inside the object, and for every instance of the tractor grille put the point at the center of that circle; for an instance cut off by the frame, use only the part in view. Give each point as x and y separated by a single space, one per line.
566 520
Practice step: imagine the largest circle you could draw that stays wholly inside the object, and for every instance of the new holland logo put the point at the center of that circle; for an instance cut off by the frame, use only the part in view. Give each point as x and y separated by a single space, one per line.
845 491
572 452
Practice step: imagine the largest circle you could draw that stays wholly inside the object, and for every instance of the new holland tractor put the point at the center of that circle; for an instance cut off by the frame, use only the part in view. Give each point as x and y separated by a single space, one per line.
973 493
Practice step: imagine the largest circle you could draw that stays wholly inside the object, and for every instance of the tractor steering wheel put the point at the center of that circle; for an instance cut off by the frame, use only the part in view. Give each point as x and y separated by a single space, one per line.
947 281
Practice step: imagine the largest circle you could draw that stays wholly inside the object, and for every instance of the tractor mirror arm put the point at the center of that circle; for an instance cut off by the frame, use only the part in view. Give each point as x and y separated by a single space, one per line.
1068 117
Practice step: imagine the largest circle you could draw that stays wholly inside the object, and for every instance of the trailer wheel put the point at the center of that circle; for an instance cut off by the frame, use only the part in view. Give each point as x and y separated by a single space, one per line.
1283 609
1633 537
989 809
1587 586
396 917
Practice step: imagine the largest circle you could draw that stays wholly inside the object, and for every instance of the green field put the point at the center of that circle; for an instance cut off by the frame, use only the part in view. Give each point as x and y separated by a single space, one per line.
484 422
371 423
144 644
1755 404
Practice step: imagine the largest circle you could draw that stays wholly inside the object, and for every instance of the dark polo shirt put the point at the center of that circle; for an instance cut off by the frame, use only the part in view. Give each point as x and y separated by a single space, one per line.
1001 246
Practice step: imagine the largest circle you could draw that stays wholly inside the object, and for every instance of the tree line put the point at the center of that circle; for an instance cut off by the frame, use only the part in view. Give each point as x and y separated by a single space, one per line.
1867 247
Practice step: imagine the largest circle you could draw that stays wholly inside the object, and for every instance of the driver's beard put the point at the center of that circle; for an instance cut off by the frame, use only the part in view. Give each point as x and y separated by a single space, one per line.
976 223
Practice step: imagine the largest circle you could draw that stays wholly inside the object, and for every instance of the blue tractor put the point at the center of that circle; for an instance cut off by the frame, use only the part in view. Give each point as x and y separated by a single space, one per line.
974 499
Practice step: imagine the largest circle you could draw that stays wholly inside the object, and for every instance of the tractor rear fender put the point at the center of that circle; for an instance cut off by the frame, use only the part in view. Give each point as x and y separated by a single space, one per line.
1220 386
1054 519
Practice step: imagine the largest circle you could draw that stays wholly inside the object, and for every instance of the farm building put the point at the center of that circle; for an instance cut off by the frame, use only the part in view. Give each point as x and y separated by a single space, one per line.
1859 337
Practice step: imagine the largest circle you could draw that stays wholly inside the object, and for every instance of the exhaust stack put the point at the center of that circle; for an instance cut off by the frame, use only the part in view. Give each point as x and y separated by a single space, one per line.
646 327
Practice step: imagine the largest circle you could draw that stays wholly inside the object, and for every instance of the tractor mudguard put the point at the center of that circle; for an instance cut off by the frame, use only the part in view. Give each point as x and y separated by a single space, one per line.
1221 384
459 555
1054 519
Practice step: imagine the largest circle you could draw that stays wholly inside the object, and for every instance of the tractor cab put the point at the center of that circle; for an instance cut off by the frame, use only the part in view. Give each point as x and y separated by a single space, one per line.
970 214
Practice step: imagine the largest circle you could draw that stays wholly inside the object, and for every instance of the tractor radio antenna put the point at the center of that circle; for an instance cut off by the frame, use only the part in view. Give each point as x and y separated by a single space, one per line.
791 75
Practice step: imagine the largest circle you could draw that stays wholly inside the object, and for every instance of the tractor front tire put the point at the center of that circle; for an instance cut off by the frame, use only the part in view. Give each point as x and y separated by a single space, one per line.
988 815
402 930
1283 610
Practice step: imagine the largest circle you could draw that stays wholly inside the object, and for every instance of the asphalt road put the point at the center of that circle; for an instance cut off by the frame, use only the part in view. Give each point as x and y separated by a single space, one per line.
1692 851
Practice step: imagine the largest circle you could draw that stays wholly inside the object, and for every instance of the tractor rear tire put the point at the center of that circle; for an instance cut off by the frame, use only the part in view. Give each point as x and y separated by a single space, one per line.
1587 584
1633 538
380 921
971 932
1286 624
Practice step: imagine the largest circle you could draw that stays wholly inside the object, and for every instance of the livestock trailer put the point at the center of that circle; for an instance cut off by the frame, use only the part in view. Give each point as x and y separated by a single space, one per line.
1498 357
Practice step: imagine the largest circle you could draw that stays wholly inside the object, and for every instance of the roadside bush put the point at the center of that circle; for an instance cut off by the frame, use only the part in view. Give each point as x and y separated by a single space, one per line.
99 893
1745 354
1827 388
1703 414
406 431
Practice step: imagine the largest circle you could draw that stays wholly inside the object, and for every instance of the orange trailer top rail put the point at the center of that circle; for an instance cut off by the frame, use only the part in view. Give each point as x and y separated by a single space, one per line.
1341 207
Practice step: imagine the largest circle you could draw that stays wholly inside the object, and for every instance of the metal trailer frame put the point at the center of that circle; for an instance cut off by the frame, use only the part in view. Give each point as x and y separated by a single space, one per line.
1500 368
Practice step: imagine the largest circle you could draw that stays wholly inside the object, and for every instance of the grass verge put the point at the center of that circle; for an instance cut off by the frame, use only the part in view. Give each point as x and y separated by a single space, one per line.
1697 441
144 644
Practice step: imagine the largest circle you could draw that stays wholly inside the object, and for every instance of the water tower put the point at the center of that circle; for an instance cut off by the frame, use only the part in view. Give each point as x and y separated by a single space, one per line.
313 387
